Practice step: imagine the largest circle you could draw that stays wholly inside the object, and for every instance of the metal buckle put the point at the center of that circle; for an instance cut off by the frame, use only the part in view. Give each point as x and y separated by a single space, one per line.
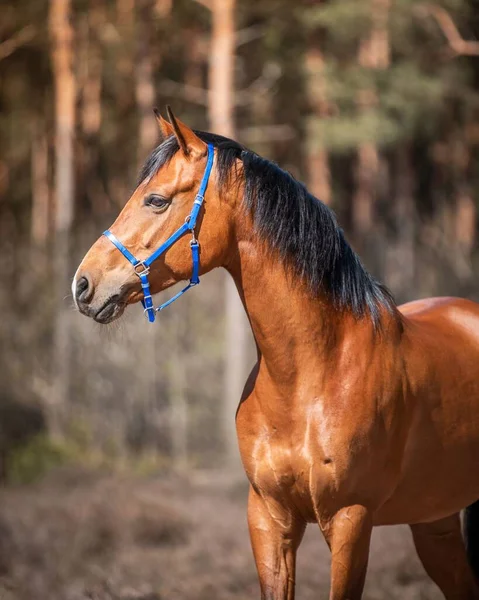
145 268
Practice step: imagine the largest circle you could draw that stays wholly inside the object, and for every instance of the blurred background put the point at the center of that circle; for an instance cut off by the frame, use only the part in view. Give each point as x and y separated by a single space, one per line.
118 463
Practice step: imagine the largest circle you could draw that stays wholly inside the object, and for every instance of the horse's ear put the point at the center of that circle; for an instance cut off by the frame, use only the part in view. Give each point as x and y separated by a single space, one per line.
189 142
165 128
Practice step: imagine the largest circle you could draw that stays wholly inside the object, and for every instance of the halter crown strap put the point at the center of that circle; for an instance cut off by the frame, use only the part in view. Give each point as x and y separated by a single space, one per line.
142 267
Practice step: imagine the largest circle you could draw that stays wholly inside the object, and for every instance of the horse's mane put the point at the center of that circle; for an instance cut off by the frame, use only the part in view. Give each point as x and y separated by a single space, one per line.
299 226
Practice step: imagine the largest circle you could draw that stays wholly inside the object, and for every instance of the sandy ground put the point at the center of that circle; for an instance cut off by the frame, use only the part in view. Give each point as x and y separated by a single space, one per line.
79 536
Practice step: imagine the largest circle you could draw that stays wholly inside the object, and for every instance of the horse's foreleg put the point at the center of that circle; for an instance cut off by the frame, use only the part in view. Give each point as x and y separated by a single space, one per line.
348 534
275 536
443 554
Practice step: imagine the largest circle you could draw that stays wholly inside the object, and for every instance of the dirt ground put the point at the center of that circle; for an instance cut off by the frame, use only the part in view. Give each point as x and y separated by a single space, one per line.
79 536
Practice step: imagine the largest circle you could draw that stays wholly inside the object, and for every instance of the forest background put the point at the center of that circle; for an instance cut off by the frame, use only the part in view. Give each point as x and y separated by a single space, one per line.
374 104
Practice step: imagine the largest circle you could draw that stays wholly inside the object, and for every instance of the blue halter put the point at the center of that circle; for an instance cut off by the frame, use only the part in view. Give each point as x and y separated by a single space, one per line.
142 267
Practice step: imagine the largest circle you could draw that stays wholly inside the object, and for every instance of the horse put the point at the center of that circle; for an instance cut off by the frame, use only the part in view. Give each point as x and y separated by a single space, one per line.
358 412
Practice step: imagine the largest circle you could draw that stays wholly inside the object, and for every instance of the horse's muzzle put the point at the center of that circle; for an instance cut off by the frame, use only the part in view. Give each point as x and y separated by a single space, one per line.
103 311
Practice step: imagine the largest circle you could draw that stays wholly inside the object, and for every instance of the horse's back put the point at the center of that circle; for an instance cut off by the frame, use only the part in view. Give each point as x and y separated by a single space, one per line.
441 348
436 319
430 306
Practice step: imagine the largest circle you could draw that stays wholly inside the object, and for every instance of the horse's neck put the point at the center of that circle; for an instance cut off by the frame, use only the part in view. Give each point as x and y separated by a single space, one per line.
300 337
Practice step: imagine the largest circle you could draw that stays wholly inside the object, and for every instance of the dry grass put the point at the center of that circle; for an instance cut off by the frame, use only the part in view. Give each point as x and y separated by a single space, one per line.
79 536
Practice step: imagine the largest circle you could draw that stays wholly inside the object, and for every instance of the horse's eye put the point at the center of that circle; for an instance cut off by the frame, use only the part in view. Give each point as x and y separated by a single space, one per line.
156 201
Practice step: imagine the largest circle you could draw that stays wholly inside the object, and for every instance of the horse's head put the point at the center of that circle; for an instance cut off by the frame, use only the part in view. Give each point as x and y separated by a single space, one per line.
106 282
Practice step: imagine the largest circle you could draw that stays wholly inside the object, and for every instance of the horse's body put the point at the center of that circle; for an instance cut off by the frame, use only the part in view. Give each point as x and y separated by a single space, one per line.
425 417
357 413
440 349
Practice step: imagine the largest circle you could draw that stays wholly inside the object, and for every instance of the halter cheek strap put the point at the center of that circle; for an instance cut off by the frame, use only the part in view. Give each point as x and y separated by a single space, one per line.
142 267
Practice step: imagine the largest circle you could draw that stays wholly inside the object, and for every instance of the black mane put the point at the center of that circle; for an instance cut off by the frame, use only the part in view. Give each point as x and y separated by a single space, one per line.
301 228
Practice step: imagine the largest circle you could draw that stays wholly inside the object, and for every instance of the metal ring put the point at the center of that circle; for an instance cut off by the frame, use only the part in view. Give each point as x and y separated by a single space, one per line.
146 268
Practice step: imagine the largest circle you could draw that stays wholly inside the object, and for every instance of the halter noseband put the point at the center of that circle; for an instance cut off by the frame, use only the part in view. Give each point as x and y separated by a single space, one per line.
142 267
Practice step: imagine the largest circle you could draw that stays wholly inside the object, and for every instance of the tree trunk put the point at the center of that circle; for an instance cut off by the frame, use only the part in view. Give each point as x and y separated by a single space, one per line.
125 15
319 175
40 218
465 208
195 59
177 380
400 251
221 68
91 107
62 37
374 53
163 8
221 117
144 84
364 199
124 167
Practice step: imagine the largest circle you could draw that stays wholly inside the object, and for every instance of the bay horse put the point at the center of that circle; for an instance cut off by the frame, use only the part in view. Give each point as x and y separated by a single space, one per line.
357 413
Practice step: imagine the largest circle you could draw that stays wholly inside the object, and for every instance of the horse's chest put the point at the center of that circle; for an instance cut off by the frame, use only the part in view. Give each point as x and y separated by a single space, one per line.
276 467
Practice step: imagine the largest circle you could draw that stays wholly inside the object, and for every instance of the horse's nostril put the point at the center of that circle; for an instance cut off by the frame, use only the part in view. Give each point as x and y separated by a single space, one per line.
84 289
82 285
